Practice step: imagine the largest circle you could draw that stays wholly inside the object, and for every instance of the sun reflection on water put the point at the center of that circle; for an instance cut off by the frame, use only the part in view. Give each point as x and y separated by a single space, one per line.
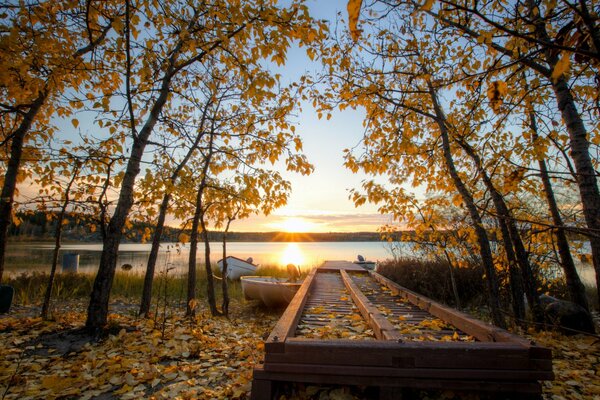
292 254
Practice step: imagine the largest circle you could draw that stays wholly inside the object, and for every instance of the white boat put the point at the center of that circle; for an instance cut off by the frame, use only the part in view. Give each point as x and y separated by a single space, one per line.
368 265
271 291
236 267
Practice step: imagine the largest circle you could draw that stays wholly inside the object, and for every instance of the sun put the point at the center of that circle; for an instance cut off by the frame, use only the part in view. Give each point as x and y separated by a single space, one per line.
295 225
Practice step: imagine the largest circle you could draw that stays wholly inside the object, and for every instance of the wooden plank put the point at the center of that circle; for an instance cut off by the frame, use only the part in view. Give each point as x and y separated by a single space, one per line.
341 265
286 325
408 354
381 326
262 389
461 385
478 329
427 360
498 362
421 373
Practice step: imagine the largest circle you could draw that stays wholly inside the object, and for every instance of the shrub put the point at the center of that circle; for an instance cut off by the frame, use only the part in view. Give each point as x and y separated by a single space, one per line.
432 279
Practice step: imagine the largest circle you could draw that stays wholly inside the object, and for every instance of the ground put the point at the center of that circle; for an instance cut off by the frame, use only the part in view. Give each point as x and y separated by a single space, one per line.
208 358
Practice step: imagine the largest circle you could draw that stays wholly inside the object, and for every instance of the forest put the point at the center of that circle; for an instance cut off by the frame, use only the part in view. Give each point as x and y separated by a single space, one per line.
135 111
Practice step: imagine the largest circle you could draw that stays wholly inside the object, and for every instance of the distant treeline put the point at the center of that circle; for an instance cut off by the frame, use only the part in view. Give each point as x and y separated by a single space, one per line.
81 227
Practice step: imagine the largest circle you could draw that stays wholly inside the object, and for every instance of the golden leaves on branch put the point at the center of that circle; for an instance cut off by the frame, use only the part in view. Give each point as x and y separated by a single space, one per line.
495 93
562 67
428 5
353 15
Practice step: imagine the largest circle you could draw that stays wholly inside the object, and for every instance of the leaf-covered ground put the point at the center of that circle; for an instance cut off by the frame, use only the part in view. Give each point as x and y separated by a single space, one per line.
210 358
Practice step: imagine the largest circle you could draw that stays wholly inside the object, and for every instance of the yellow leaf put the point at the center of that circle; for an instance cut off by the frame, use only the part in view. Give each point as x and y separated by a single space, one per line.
183 238
353 14
427 6
75 122
562 66
496 92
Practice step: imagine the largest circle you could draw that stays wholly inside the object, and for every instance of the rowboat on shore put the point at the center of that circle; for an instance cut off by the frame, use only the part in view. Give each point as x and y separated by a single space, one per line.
270 290
236 267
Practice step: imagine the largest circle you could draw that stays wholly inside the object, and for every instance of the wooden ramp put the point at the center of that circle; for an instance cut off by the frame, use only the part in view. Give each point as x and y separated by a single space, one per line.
350 326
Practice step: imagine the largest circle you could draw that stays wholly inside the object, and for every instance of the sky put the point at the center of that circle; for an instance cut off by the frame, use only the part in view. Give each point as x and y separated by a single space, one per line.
319 202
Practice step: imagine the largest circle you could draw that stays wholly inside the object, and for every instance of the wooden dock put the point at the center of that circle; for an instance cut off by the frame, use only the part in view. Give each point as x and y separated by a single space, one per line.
350 326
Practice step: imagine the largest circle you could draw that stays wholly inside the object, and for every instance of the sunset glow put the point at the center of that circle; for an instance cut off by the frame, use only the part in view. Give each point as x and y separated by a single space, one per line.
294 224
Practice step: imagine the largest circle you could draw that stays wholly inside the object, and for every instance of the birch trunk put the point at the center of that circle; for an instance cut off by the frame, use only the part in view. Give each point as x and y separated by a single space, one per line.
482 238
9 185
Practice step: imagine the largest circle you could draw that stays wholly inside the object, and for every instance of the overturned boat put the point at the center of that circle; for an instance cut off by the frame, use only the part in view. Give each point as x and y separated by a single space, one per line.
272 291
236 267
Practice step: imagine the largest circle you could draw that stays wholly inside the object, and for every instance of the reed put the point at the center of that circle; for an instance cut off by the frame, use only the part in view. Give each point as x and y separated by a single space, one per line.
277 271
127 285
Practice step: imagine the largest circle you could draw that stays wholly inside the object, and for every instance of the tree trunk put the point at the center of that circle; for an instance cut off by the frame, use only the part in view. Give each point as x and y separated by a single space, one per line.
586 174
513 244
98 308
224 283
151 265
210 285
162 213
191 292
57 243
516 280
587 181
574 285
12 170
482 239
453 280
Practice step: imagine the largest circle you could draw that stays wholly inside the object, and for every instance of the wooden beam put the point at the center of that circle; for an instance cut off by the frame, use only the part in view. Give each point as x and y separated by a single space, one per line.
382 327
286 325
421 373
490 386
478 329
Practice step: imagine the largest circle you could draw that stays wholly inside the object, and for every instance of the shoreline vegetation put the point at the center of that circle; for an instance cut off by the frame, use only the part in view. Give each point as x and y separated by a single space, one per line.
41 226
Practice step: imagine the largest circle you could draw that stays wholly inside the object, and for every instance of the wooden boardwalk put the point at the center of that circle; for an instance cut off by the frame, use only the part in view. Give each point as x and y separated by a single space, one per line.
350 326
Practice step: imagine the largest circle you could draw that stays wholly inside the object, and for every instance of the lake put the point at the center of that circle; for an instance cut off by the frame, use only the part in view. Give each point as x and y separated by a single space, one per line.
37 256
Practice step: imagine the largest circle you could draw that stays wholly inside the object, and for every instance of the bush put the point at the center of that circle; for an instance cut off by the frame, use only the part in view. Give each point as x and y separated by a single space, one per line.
432 279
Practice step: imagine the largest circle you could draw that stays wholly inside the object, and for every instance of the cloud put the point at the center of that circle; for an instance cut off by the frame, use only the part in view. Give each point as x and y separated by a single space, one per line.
322 222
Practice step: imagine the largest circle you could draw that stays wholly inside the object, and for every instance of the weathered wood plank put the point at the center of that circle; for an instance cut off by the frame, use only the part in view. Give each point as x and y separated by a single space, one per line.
382 328
340 265
462 321
483 386
409 354
498 362
421 373
286 325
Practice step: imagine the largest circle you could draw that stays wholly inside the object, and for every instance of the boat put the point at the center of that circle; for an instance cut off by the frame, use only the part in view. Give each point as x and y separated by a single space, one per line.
236 267
368 265
270 290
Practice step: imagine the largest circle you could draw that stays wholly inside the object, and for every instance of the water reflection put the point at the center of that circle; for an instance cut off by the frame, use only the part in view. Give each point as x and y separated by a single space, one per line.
32 256
292 255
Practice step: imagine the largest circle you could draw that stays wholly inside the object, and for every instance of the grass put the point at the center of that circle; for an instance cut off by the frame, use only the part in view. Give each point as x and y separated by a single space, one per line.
30 287
277 271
